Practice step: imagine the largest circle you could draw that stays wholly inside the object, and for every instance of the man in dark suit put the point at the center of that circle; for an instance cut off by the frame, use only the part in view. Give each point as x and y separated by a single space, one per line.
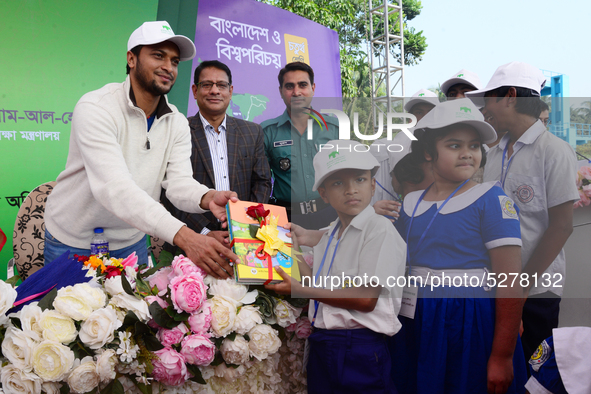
228 153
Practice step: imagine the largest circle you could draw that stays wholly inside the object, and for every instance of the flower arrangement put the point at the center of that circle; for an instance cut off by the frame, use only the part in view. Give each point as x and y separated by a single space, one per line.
170 328
584 186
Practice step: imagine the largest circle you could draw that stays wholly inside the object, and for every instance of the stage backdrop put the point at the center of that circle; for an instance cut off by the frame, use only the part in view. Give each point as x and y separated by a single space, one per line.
53 52
256 40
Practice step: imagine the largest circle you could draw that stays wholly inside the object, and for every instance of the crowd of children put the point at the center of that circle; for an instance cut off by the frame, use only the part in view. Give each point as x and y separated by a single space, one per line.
428 335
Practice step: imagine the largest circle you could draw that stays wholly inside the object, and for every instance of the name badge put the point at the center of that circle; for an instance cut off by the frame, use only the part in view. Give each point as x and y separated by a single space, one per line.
409 301
278 144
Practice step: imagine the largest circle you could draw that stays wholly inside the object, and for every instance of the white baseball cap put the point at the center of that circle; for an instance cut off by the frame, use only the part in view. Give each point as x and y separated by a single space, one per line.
454 112
462 76
517 74
338 155
423 95
150 33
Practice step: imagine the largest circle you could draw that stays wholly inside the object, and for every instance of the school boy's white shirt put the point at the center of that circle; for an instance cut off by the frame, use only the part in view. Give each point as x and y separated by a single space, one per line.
542 175
369 245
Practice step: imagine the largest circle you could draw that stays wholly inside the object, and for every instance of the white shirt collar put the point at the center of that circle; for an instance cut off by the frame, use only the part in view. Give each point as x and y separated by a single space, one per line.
527 138
207 125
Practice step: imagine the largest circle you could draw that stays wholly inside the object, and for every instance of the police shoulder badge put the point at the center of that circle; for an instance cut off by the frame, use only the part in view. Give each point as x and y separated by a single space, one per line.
285 164
540 356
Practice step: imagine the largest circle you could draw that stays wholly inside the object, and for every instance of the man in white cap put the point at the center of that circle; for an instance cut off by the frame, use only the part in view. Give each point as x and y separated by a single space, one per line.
128 143
461 82
537 170
421 103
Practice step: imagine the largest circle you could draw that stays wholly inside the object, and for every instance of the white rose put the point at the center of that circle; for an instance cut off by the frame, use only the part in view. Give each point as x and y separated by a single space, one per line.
236 351
51 387
69 302
139 307
247 318
223 312
17 381
57 327
286 313
105 365
131 272
94 296
113 286
30 317
230 374
7 296
17 347
52 360
264 341
99 328
230 289
84 378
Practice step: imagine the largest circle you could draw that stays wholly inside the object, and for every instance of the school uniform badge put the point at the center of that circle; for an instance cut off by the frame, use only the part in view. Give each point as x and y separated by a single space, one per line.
525 193
540 356
507 207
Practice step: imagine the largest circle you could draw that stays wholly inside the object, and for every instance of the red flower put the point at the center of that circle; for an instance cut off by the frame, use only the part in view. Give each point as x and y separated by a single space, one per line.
258 212
80 258
112 271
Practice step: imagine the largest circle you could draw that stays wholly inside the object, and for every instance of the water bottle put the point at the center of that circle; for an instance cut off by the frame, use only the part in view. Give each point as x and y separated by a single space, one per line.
99 244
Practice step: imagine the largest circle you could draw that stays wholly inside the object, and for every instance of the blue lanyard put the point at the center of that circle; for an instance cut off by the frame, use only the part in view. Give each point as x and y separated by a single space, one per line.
397 198
322 264
430 223
503 178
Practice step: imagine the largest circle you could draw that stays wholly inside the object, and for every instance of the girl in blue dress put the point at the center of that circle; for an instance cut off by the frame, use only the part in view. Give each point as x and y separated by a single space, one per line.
461 335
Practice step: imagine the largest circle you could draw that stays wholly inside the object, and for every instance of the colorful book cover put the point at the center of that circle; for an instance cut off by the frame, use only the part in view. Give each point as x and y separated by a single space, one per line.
252 268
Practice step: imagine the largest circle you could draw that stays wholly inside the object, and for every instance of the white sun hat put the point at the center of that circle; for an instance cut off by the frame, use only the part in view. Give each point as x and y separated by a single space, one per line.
423 95
150 33
463 76
338 155
517 74
455 112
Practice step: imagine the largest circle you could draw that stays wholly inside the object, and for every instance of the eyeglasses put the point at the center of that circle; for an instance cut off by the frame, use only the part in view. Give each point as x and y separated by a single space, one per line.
207 85
546 121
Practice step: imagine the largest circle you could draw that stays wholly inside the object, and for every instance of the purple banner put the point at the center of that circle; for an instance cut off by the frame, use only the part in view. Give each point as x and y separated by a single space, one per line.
256 40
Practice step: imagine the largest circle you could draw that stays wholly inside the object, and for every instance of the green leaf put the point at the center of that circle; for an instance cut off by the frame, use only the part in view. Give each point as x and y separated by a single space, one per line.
13 281
246 337
253 228
217 360
130 319
152 343
47 301
142 287
142 328
126 286
160 316
115 387
16 322
196 372
164 262
65 389
232 336
181 316
144 388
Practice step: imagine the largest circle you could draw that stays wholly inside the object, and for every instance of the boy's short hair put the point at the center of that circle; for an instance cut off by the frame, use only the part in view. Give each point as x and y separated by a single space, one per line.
339 155
528 101
211 63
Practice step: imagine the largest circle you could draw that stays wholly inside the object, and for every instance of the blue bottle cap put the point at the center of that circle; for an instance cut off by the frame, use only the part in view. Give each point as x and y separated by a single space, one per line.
98 230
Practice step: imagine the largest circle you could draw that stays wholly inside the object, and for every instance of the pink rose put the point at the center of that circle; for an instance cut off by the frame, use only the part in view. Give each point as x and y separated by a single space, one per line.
198 349
173 336
130 261
585 172
587 190
181 265
303 328
169 367
201 322
160 280
159 300
291 327
188 292
309 259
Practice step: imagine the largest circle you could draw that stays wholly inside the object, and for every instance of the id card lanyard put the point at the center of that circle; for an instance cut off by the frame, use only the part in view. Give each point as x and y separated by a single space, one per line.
503 172
322 265
430 223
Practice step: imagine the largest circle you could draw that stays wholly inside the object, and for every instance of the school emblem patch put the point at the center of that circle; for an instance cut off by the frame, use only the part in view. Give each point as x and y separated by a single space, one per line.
540 356
525 193
507 207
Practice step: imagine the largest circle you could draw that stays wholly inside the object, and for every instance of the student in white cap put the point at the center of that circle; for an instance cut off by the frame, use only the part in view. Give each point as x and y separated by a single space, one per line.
456 336
128 143
461 82
421 103
348 351
536 169
560 365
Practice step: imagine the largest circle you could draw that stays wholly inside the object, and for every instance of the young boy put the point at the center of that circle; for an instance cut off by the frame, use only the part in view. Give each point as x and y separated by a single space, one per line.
354 308
536 169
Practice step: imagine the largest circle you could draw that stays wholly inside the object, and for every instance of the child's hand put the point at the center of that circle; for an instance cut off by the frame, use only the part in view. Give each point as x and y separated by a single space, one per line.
285 287
387 208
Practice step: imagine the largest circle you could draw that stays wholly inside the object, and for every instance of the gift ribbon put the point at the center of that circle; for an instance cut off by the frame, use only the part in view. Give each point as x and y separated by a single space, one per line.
260 254
32 297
